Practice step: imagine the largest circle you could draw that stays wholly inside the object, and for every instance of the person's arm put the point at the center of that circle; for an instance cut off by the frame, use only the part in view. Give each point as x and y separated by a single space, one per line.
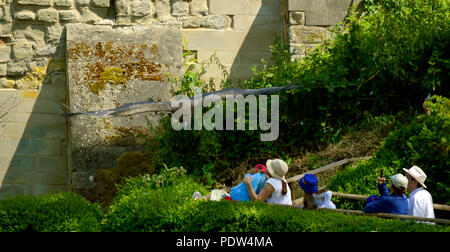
382 188
263 195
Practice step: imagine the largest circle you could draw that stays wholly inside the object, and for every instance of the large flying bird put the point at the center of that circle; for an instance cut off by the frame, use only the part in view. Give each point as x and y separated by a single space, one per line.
151 106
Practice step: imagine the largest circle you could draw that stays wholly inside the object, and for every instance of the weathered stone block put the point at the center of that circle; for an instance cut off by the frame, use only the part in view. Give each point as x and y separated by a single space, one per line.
16 68
12 177
88 17
83 3
190 21
24 15
306 34
180 8
245 7
198 7
22 49
141 8
249 57
297 18
32 32
324 17
46 178
6 29
52 164
6 14
216 21
35 2
249 41
338 4
63 3
3 69
256 23
6 83
5 53
1 14
39 147
70 16
53 33
47 15
122 7
162 10
101 3
225 57
150 55
58 78
37 118
302 5
195 39
18 163
46 131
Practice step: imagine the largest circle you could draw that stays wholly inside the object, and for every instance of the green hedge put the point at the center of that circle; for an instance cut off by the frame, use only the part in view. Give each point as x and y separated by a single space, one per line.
62 212
227 216
144 206
143 202
163 204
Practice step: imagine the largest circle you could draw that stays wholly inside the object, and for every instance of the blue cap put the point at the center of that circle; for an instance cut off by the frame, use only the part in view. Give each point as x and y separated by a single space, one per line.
308 183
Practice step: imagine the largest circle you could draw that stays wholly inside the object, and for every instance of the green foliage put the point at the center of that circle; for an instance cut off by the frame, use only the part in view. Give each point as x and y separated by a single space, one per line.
144 206
377 64
62 212
424 143
206 153
162 203
384 61
144 201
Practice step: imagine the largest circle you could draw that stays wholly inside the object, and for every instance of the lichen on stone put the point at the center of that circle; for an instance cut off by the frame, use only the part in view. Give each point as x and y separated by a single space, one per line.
115 64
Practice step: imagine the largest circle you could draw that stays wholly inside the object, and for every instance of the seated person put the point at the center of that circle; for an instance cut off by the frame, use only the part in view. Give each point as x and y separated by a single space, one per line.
315 198
276 189
239 192
395 203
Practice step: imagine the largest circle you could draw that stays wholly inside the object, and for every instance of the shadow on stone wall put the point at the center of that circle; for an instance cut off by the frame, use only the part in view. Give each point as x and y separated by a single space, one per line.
34 146
261 31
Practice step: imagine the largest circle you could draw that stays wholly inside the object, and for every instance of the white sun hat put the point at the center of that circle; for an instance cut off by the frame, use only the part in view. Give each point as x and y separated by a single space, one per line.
277 168
417 174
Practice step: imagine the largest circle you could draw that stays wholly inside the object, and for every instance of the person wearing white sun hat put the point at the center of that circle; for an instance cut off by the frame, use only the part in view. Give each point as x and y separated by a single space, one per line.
275 190
420 200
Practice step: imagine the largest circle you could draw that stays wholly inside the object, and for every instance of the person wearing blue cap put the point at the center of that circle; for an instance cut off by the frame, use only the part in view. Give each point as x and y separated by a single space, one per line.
313 197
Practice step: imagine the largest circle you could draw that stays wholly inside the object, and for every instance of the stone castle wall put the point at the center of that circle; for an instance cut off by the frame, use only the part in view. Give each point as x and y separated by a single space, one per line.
34 138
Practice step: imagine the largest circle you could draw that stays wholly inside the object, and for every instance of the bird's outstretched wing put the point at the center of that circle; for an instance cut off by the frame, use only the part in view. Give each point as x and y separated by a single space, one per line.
150 106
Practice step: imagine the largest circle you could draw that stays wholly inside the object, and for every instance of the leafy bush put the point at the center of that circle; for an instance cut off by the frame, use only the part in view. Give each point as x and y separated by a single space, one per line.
384 59
424 143
60 212
208 154
147 205
143 201
129 164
